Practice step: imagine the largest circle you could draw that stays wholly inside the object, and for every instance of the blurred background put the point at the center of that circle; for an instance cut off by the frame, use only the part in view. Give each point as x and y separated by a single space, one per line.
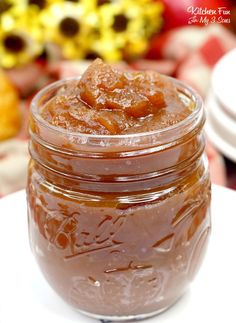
45 40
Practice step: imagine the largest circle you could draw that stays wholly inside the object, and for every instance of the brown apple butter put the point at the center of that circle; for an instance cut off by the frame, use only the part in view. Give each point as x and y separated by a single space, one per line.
108 102
118 190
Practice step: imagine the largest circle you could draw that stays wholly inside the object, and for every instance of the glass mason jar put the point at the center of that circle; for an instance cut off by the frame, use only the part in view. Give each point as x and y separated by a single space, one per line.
119 224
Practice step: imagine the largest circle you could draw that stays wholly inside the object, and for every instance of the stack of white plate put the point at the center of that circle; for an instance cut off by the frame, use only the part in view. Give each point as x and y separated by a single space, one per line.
221 106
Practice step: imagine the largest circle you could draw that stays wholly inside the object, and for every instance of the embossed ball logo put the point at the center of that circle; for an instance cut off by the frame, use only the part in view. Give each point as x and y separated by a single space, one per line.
78 238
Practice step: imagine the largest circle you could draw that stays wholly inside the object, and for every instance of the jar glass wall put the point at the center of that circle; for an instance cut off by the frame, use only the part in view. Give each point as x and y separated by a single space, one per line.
119 224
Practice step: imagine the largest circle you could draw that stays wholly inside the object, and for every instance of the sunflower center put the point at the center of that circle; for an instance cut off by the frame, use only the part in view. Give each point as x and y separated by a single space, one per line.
39 3
101 2
120 23
69 27
92 55
4 6
14 43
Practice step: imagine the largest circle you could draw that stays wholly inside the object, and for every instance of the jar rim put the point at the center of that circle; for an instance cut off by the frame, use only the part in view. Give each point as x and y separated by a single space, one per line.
188 91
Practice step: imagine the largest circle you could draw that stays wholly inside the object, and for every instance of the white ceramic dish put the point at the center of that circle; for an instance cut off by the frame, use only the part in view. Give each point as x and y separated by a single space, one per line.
26 297
221 106
220 128
223 84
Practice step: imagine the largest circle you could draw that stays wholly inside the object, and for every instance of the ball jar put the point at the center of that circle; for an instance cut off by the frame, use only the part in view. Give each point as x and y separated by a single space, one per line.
119 224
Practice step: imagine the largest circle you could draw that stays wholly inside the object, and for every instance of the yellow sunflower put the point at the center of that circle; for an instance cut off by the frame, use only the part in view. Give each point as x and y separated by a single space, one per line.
20 36
80 28
65 25
125 27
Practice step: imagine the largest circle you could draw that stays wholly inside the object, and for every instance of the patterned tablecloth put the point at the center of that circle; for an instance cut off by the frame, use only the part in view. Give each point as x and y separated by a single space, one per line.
187 53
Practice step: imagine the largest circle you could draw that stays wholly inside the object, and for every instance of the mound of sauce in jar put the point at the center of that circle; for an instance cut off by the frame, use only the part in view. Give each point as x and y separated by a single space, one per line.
108 102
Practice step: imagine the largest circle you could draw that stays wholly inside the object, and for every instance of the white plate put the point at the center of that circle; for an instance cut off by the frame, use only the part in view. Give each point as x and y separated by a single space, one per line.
220 128
26 297
223 83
